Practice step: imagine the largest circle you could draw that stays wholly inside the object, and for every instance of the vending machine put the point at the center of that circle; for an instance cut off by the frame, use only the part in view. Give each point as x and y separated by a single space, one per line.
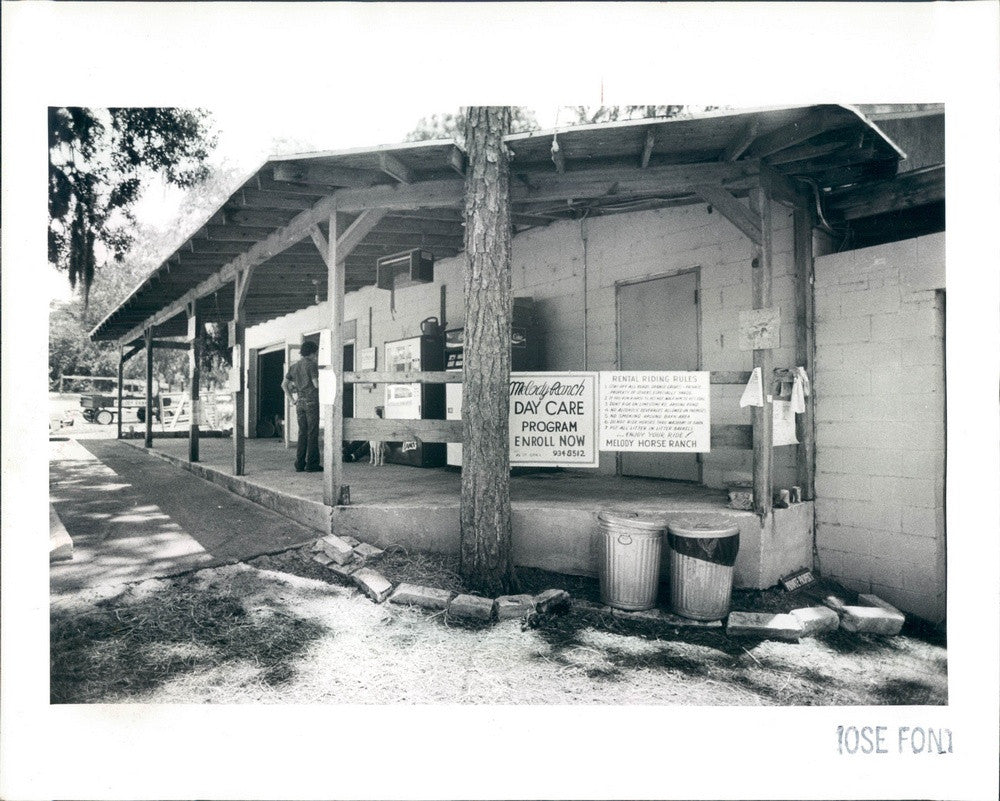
415 401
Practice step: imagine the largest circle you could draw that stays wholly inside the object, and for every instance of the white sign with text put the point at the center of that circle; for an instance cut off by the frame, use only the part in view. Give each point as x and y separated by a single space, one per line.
655 411
553 419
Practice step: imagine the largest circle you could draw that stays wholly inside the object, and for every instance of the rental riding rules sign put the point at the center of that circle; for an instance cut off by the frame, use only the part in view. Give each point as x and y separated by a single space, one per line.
565 419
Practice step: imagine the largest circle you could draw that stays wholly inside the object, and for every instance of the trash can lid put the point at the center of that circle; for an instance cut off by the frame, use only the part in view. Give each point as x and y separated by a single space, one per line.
617 517
702 529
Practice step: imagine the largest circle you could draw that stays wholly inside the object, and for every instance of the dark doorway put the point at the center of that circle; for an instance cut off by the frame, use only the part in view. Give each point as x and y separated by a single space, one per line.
349 388
270 396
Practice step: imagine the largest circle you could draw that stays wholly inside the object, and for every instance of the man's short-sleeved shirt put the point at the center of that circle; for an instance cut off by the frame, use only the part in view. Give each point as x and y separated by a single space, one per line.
303 374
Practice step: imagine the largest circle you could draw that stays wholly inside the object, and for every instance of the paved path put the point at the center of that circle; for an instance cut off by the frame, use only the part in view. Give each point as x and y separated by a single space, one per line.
133 517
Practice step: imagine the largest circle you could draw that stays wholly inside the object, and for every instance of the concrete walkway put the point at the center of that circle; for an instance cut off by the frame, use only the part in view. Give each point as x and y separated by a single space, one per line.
133 518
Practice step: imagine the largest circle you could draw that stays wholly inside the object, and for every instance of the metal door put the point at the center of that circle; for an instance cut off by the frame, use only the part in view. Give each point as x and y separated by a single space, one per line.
658 330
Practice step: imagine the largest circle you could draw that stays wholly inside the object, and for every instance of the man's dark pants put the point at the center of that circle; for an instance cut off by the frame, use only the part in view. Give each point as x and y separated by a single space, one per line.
307 453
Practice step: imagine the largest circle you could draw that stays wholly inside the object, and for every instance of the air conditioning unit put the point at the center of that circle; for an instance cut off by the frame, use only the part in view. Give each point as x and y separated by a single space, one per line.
405 269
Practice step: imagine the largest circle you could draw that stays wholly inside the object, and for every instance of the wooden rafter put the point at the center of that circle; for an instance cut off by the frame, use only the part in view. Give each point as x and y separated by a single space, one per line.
904 191
794 133
394 168
318 174
738 146
743 218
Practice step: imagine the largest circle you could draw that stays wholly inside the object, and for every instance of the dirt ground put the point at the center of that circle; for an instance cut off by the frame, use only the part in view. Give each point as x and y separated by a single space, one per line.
285 630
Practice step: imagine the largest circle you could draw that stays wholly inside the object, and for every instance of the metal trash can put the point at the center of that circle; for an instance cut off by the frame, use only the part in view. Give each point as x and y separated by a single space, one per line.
629 566
702 555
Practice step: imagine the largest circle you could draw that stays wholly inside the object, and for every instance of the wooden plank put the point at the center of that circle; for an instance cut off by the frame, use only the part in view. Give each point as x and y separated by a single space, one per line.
375 428
794 133
325 176
164 344
333 413
732 436
384 377
647 149
275 244
743 218
729 377
781 188
805 346
239 353
394 168
878 197
121 386
357 231
149 388
256 199
738 146
761 417
194 376
132 352
320 241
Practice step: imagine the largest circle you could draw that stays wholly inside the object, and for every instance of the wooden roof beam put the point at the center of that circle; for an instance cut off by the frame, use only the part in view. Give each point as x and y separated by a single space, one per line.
905 191
794 133
739 215
394 168
746 137
321 175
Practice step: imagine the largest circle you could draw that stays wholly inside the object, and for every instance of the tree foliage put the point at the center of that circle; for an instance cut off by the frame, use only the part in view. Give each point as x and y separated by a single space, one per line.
452 126
99 160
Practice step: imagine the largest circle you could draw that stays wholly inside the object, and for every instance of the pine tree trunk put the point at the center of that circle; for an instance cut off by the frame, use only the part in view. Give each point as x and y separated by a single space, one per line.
487 564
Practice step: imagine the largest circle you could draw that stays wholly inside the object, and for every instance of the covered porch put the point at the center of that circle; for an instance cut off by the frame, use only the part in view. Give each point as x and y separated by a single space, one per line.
554 511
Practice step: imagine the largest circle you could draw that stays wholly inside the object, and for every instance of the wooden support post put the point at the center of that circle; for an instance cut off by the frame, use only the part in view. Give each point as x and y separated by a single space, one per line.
149 388
121 381
805 347
194 365
332 414
239 364
763 421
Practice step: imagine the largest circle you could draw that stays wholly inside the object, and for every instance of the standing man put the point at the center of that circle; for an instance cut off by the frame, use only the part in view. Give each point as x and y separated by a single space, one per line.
301 387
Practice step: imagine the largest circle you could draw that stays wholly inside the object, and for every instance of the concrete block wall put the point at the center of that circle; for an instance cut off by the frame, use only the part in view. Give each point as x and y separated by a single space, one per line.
564 263
880 422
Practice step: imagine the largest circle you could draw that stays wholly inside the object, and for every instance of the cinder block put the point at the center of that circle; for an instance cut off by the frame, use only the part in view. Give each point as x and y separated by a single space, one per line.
425 597
514 606
471 607
764 625
367 552
345 571
816 620
337 549
372 583
552 600
869 599
871 620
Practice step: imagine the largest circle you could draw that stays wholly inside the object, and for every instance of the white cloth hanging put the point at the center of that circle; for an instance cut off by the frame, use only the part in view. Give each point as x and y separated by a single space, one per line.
753 393
800 389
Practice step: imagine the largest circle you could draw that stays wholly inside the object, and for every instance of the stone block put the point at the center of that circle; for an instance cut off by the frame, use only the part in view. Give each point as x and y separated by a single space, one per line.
367 552
552 600
322 558
372 583
318 545
354 542
344 571
816 620
871 620
514 606
337 549
764 625
471 607
424 597
664 618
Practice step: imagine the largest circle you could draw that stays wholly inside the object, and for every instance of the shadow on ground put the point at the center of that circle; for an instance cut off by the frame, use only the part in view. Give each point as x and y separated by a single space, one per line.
126 645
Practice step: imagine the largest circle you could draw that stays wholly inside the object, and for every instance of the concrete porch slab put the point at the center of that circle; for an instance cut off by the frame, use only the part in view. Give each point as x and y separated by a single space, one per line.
554 514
